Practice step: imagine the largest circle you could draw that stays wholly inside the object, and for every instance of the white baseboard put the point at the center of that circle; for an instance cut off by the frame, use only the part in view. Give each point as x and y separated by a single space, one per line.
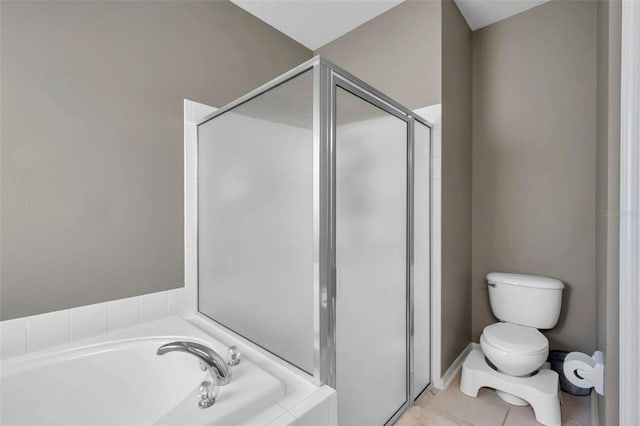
455 367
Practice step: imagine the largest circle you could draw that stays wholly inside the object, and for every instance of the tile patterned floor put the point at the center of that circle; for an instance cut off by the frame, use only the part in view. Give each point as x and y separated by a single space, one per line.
451 407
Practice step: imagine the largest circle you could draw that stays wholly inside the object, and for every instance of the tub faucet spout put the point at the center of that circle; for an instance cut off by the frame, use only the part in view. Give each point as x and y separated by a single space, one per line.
220 373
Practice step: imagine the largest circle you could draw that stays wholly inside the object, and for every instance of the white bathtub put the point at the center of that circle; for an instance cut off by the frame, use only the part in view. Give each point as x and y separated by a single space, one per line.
117 379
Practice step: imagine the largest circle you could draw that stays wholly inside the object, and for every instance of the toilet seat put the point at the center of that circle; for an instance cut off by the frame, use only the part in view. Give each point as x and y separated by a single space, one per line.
515 339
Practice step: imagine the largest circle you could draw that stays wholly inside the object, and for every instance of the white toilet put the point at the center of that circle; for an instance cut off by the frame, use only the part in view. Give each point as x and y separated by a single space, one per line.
514 347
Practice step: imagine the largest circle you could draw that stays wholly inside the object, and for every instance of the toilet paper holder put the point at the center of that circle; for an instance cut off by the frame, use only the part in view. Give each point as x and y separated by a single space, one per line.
585 371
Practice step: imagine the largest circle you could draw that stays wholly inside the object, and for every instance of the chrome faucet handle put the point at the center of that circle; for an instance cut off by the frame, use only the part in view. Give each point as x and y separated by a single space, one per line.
217 366
208 394
234 356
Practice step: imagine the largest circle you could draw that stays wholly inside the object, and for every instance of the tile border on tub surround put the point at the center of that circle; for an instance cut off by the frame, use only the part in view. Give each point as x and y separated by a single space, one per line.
318 408
28 334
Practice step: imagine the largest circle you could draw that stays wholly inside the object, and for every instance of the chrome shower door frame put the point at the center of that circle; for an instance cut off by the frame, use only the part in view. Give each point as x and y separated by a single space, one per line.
338 77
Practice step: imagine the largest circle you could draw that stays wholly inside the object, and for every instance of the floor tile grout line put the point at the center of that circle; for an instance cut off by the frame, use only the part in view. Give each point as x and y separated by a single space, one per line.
506 416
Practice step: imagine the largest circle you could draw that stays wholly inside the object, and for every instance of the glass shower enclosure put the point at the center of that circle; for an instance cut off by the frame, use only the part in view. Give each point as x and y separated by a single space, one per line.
314 234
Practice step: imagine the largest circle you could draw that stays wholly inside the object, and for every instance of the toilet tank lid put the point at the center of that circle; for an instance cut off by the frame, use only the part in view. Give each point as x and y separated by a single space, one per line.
524 280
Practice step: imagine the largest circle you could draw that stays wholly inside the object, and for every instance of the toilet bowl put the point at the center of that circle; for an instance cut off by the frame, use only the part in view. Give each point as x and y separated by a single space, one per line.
514 349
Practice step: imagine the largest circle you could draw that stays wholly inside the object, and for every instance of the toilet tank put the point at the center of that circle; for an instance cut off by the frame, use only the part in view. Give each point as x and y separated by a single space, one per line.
526 300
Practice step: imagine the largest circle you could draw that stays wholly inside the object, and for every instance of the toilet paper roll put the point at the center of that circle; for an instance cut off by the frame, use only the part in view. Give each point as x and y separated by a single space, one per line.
584 370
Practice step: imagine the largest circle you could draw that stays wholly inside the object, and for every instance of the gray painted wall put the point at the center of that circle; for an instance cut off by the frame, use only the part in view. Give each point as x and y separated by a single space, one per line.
534 159
456 183
92 145
608 202
398 52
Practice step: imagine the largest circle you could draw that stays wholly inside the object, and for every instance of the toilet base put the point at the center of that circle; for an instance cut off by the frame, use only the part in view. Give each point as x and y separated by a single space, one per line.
540 390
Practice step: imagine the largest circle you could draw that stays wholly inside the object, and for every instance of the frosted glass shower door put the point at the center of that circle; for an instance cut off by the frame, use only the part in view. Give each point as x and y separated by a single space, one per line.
371 261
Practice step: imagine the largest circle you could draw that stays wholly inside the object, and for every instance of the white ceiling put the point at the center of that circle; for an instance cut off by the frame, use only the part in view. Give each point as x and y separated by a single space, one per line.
480 13
314 23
